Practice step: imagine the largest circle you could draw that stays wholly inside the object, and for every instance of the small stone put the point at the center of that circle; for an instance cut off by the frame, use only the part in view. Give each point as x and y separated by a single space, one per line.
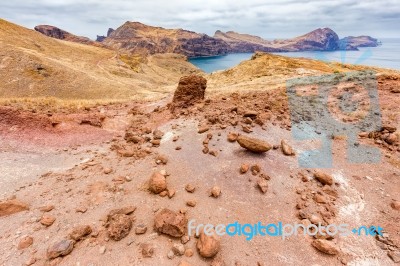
157 183
325 179
31 261
189 252
232 137
80 232
163 193
147 250
287 149
191 203
185 239
118 226
203 129
25 242
190 188
46 208
12 206
171 192
170 223
81 209
215 191
325 246
170 255
250 113
156 142
47 220
206 150
60 248
208 245
107 171
140 229
253 144
162 159
255 169
178 249
178 148
395 205
213 153
158 134
102 249
244 168
320 198
263 185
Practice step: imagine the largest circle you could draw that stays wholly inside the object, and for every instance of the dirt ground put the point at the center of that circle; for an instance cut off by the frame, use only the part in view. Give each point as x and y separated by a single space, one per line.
80 166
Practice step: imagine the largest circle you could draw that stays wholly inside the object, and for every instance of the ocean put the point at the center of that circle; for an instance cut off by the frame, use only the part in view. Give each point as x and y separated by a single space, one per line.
386 56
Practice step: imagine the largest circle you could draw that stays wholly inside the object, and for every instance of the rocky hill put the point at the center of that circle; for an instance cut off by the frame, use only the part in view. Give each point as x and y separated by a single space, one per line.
58 33
34 65
351 42
140 38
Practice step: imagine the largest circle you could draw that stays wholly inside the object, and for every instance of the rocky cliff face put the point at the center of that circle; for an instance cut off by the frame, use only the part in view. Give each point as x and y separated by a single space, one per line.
135 37
139 38
352 43
317 40
58 33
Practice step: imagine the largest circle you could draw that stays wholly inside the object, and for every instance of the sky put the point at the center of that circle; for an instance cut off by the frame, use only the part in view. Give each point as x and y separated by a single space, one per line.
271 19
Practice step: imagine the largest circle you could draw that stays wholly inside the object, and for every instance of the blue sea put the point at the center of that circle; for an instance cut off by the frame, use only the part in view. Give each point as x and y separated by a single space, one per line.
386 56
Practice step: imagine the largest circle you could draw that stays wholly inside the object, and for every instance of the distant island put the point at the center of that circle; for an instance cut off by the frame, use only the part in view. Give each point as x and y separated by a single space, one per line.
136 37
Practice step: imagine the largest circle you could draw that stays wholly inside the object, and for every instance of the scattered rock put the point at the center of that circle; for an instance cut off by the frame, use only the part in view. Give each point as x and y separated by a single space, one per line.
171 192
253 144
46 208
190 188
170 223
185 239
244 168
325 246
191 203
203 129
232 137
325 179
25 242
157 183
31 261
163 193
189 252
213 153
125 210
102 250
156 142
395 205
320 198
81 209
80 232
147 250
208 246
60 248
184 263
215 191
255 169
158 134
391 139
118 226
287 149
9 207
178 249
250 113
140 229
263 185
107 170
47 220
161 159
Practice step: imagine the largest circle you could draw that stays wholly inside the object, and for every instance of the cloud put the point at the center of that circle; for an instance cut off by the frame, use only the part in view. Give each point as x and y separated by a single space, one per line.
269 19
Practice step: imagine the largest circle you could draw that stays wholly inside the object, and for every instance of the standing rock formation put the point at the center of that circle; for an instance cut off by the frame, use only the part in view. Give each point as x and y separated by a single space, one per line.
190 90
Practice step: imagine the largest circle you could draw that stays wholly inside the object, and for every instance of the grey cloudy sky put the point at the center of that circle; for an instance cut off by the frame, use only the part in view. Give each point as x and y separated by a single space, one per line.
267 18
